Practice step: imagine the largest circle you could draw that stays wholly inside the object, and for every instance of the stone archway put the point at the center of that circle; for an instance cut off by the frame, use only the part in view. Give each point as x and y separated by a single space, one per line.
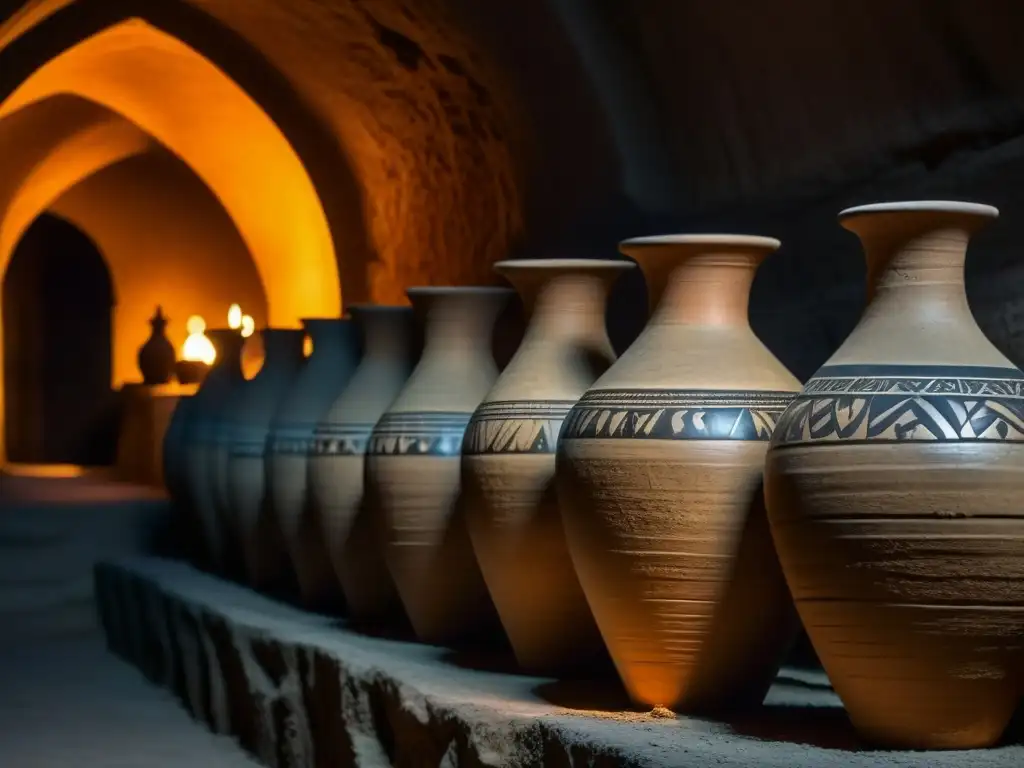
58 300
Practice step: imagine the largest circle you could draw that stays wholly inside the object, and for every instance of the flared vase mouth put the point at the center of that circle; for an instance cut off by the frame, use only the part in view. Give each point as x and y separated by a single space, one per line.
367 308
223 333
457 290
588 265
282 333
979 210
755 242
310 323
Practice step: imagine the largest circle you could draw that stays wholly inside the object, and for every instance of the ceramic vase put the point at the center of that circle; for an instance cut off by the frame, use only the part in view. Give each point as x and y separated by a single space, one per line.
508 459
200 440
324 376
659 480
337 462
157 356
893 485
413 466
260 540
173 449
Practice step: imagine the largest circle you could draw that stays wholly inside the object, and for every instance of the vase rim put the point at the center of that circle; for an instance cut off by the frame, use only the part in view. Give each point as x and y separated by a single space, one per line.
308 321
742 241
458 290
611 263
923 206
370 307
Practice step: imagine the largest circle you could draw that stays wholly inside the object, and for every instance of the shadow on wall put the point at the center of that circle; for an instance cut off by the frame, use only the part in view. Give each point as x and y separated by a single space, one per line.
58 300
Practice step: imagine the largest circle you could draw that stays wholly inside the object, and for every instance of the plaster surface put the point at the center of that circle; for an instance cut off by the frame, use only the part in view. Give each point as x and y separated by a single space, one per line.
303 690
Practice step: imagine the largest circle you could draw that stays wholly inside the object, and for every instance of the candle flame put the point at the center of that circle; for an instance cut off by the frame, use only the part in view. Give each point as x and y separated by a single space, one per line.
248 325
197 346
235 316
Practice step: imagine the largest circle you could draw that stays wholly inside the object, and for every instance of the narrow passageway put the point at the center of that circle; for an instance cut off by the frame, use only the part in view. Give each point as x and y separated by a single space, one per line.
65 701
71 704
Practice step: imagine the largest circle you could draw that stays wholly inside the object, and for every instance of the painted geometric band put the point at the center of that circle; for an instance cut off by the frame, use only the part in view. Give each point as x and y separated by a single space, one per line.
420 433
906 404
681 414
291 439
507 426
348 439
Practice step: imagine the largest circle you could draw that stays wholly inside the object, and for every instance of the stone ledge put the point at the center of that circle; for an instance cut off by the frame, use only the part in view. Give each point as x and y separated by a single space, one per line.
302 691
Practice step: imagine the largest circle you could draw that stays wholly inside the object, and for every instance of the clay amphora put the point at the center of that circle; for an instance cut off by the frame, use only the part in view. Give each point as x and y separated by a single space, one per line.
201 438
894 486
508 460
324 376
413 466
157 356
260 539
337 462
659 478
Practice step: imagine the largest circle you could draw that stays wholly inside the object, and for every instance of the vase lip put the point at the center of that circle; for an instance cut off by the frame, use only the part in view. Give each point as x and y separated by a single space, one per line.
223 332
371 307
308 322
509 265
923 206
458 290
742 241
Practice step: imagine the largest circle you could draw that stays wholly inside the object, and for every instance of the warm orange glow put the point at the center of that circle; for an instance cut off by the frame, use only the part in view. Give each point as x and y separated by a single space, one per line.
235 316
307 345
197 345
181 99
248 326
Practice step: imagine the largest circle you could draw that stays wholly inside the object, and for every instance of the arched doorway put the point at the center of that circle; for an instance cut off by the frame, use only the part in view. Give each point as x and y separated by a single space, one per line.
58 301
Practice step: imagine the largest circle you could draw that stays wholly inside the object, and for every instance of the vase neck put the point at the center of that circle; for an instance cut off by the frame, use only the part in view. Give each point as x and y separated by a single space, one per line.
282 347
332 338
917 310
458 321
388 332
228 343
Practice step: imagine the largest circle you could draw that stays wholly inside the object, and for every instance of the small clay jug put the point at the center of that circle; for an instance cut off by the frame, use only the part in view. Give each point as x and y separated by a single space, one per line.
413 466
893 486
265 558
508 460
337 462
202 435
157 356
324 376
659 480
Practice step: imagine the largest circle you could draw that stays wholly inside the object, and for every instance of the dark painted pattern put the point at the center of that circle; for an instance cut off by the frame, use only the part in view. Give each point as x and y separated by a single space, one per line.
861 404
419 434
341 439
684 414
504 427
294 439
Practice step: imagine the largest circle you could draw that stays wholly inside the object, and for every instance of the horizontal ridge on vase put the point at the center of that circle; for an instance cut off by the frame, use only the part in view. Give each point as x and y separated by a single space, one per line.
337 462
659 480
312 392
508 459
200 440
893 486
413 471
265 561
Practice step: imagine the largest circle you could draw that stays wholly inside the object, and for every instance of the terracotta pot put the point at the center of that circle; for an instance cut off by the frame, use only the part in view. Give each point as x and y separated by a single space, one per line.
337 461
324 376
659 478
894 484
264 556
509 461
157 356
201 438
413 465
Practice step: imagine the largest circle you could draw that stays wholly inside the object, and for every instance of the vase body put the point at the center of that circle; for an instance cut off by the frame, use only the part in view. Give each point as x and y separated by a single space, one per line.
413 472
202 436
659 480
313 391
173 452
260 540
337 462
157 357
508 458
893 486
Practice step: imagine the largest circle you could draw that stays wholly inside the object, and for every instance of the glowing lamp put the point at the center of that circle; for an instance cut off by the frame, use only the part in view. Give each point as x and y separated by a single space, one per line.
197 353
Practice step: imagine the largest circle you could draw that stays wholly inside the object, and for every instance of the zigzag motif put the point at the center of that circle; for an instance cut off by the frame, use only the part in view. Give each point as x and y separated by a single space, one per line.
422 433
341 439
504 427
906 408
676 415
295 439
